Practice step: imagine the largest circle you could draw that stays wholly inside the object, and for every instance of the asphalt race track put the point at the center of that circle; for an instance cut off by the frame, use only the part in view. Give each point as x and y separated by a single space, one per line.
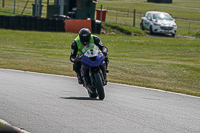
44 103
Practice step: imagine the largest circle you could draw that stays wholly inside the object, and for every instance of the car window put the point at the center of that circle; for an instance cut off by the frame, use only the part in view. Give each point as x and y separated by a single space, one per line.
146 15
149 15
162 16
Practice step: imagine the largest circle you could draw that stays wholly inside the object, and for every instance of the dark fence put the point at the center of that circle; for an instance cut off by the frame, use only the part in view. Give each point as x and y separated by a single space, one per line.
32 23
40 24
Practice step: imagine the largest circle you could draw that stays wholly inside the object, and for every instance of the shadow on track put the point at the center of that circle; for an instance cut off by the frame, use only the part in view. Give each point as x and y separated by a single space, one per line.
80 98
159 35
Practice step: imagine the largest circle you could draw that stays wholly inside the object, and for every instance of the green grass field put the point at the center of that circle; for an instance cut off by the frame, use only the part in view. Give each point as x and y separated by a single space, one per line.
185 9
165 63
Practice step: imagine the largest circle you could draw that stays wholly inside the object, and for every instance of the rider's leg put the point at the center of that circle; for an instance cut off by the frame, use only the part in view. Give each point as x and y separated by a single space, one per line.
84 74
103 69
76 68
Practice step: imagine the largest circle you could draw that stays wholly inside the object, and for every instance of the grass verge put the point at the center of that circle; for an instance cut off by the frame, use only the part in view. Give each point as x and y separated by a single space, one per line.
165 63
127 30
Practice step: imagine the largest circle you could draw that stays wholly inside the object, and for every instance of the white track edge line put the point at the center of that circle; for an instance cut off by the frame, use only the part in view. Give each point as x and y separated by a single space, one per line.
16 128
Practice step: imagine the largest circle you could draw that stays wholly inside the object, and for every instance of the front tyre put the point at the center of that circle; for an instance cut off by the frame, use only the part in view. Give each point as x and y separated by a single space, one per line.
92 95
99 86
151 30
141 26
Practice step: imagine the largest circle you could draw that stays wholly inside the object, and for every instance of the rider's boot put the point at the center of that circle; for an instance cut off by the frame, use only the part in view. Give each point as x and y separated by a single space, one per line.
105 80
107 61
80 80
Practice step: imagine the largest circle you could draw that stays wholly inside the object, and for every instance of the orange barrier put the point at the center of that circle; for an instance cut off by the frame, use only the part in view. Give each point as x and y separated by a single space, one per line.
98 14
74 25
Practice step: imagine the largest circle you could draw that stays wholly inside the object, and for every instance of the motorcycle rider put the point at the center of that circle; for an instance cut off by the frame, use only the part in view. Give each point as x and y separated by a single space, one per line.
85 37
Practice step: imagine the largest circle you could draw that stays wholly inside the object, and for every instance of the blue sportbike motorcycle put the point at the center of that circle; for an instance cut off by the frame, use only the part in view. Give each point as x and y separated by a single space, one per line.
93 71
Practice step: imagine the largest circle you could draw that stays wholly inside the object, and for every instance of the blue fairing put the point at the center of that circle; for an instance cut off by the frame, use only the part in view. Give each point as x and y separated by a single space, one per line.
89 63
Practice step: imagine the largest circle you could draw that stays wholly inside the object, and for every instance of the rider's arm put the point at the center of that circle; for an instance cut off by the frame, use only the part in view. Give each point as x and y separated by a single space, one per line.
98 42
74 50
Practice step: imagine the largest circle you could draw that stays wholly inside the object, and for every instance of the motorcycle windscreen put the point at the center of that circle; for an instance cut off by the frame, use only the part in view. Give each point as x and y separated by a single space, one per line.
89 63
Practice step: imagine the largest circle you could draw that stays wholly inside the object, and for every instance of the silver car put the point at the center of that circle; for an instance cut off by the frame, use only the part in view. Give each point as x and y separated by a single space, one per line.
158 22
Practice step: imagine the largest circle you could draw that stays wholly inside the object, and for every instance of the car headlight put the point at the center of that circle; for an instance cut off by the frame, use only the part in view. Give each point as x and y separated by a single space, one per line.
173 24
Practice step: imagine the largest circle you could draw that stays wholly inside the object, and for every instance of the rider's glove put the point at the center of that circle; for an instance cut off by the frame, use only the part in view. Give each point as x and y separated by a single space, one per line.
78 58
104 51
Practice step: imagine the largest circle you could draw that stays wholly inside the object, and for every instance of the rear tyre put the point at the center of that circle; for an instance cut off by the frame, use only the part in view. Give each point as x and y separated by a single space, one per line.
99 86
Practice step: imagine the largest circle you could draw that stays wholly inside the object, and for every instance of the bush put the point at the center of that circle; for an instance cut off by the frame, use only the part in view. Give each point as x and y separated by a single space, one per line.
198 34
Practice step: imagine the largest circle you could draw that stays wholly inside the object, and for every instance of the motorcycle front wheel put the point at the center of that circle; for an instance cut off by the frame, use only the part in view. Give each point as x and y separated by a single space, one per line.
99 86
92 95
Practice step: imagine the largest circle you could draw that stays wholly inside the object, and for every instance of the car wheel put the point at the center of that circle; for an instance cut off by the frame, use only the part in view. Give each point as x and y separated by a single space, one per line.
141 26
151 30
173 35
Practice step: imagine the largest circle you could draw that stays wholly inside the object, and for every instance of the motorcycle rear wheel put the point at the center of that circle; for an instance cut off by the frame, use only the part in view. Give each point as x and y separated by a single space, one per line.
99 86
